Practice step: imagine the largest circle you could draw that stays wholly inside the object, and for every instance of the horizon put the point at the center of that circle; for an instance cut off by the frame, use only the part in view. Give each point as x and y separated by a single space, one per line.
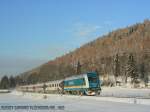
33 32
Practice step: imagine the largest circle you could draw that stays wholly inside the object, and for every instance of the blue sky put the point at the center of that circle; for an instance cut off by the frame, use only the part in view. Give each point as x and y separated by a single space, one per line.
35 31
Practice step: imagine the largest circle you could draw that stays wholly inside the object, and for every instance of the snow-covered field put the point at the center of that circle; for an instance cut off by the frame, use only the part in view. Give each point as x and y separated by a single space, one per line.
4 91
78 103
125 92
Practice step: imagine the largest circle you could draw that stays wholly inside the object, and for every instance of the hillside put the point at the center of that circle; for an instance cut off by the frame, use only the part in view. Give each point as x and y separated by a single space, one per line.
124 52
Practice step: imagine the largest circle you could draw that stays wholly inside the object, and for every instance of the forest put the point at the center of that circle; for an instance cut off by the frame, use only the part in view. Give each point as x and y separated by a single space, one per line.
123 53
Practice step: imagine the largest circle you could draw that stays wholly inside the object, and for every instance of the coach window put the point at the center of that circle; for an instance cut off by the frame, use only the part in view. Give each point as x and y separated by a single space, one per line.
59 85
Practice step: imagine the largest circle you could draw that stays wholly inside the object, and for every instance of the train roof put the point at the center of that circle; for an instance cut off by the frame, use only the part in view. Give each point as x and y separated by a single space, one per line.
75 77
41 84
51 82
78 76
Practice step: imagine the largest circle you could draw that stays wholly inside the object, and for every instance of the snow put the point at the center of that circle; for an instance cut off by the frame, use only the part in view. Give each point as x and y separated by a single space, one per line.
125 92
82 103
4 91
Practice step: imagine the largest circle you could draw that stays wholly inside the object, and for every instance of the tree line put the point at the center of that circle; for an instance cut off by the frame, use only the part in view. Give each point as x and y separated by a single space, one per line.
10 82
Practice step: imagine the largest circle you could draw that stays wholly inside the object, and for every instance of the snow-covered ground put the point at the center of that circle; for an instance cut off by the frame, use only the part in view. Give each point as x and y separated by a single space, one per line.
125 92
4 91
78 103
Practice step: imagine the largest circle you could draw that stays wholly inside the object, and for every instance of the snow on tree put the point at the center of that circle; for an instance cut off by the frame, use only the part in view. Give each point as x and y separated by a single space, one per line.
131 69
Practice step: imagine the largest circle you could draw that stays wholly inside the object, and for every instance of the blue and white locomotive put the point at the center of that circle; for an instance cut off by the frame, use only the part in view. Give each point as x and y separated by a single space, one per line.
87 84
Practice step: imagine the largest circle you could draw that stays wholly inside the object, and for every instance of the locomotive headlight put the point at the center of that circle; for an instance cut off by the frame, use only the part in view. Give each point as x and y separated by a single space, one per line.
91 93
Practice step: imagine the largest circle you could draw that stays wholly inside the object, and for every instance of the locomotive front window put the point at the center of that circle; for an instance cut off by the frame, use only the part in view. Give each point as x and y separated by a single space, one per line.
92 79
75 82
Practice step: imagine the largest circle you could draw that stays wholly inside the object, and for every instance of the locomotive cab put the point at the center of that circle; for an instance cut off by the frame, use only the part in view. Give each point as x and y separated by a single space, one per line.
94 84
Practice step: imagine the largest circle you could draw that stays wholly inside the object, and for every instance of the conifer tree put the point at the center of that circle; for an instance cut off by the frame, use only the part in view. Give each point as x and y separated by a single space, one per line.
78 68
131 69
116 66
12 82
4 84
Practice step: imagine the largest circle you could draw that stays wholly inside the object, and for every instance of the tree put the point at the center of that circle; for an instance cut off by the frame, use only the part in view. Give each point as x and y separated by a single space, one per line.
143 73
78 68
4 84
12 82
19 80
116 66
131 69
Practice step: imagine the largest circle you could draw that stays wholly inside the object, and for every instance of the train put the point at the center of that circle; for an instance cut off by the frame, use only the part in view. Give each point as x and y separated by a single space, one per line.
83 84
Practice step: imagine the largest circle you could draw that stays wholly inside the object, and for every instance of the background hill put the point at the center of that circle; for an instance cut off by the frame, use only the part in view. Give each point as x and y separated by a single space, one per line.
124 52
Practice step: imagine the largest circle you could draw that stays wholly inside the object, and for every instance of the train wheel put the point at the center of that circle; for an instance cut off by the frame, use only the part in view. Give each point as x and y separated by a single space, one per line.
75 93
78 92
98 92
81 93
72 92
67 92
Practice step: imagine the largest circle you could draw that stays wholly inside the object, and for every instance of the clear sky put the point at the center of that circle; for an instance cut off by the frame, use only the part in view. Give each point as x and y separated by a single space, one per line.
35 31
